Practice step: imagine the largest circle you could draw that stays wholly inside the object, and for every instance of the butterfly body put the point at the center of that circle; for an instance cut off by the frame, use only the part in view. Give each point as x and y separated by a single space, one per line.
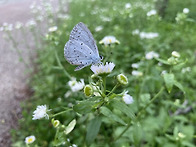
81 48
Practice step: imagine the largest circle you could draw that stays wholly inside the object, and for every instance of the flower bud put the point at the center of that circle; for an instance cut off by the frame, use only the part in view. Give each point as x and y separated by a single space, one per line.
56 123
122 79
175 54
88 90
172 61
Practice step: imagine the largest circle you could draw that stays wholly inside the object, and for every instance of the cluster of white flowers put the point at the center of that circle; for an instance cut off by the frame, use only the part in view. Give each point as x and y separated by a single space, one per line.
151 55
149 35
40 112
107 40
151 12
137 73
128 99
145 35
30 139
186 10
76 86
103 69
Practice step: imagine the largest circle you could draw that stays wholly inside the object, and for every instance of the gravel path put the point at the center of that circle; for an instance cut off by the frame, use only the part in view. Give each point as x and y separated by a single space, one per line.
13 80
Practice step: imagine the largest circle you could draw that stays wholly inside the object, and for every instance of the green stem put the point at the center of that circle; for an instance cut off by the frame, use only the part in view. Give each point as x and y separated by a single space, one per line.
114 88
61 112
140 113
15 45
59 63
104 85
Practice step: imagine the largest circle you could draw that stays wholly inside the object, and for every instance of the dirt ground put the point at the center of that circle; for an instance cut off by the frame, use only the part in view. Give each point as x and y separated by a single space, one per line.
13 78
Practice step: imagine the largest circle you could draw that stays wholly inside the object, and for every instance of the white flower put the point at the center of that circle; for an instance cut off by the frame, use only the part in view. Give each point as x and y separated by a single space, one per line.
95 90
135 65
151 55
105 19
127 98
163 72
18 25
76 86
98 28
107 40
181 135
67 94
151 12
135 32
127 6
40 112
1 29
150 35
30 23
175 54
29 139
8 27
187 69
185 10
103 69
52 29
137 73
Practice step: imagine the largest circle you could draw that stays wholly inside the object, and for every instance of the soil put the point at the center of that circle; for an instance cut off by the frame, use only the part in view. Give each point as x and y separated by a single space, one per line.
14 86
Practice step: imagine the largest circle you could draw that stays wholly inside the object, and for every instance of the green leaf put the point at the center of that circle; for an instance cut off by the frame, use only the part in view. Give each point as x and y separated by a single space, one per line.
145 98
123 108
177 84
83 107
169 81
107 112
93 129
70 126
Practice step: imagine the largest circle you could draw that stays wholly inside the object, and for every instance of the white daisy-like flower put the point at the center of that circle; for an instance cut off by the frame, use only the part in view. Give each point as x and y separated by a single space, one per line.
76 86
30 139
98 28
107 40
52 29
127 6
137 73
40 112
135 32
151 12
135 65
185 10
103 69
151 55
150 35
127 98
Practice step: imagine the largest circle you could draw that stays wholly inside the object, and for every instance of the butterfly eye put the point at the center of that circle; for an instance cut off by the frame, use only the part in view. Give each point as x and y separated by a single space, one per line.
101 57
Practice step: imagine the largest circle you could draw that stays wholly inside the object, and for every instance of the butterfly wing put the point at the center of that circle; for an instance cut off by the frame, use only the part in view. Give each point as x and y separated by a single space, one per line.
81 33
77 53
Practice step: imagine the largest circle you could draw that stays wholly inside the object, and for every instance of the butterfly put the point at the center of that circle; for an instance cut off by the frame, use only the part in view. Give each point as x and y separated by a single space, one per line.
81 48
